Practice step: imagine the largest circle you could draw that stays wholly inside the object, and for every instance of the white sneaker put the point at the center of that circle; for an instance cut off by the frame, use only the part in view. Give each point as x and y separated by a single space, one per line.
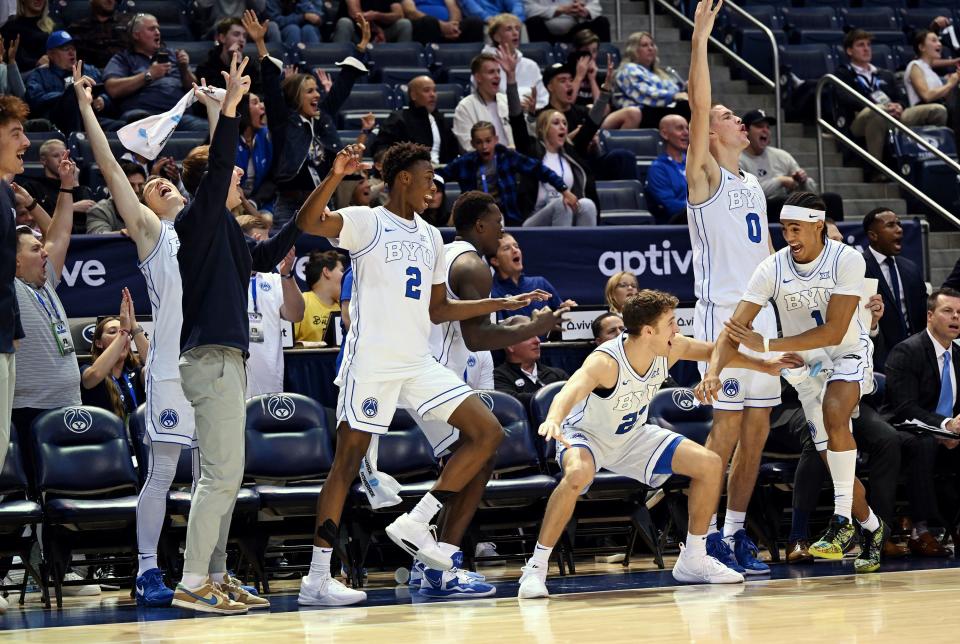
79 591
486 549
703 570
533 582
328 592
3 605
418 541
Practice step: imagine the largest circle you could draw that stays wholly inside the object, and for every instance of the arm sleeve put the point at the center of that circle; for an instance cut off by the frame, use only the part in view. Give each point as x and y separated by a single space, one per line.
762 283
851 269
555 299
273 100
37 97
268 253
440 265
359 228
485 369
275 15
115 68
199 218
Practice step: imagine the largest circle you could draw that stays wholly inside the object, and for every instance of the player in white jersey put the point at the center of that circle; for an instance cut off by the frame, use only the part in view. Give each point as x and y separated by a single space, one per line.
599 419
727 218
169 416
818 287
399 291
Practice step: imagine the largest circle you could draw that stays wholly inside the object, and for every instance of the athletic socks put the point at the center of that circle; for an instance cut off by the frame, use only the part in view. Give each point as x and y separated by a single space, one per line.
871 523
147 562
732 522
695 546
320 564
192 581
218 577
713 525
541 556
843 467
426 509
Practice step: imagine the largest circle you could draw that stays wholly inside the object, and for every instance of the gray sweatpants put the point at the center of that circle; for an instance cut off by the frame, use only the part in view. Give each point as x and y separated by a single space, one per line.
555 213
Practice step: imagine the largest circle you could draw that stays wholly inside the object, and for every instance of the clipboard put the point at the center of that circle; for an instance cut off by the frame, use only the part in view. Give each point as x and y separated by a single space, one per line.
917 426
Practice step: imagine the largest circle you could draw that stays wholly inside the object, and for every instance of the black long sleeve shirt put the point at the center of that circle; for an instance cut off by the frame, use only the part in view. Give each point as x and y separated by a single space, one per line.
10 328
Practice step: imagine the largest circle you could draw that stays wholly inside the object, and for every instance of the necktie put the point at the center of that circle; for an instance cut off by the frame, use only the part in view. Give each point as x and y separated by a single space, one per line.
895 287
945 404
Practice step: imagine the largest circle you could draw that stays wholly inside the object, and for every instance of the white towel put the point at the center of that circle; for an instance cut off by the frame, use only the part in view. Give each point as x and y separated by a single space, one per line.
147 136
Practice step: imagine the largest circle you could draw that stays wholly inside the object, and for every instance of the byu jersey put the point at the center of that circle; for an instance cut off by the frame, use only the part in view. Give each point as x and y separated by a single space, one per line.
162 273
395 263
446 340
626 405
730 237
802 292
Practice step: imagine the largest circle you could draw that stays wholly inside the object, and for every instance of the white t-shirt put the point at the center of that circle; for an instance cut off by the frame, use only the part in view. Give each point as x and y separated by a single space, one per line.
479 372
265 364
556 162
933 80
435 134
497 121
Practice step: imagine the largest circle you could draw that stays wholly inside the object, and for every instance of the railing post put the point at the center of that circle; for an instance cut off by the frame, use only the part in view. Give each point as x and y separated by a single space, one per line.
653 23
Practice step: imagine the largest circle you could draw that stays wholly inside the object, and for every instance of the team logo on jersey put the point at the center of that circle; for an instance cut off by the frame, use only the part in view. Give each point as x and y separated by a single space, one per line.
472 361
370 407
731 387
810 298
684 399
77 420
281 407
487 400
408 250
741 198
577 436
169 418
265 287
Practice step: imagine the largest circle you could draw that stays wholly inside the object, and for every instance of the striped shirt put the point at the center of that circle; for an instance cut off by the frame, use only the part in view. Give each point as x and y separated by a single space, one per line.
45 379
637 86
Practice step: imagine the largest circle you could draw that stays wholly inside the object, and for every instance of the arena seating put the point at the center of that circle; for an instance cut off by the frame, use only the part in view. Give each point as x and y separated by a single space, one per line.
18 511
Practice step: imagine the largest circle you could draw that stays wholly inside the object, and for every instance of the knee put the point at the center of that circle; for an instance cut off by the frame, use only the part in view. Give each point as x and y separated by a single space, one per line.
577 478
710 467
633 116
490 434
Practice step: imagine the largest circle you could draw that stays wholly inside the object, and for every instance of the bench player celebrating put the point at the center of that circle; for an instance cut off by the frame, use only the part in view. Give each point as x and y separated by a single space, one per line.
727 215
399 292
817 285
599 418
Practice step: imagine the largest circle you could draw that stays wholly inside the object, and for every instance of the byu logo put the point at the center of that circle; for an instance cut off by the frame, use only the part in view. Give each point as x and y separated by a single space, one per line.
169 418
487 400
731 387
265 287
369 407
741 198
77 420
281 407
684 399
472 361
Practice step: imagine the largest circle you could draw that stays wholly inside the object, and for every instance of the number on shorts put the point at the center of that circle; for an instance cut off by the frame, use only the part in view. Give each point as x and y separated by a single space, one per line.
413 284
628 422
817 317
754 233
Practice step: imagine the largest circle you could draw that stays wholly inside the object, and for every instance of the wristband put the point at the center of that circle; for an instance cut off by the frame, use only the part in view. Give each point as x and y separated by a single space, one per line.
33 204
766 345
68 191
287 276
137 331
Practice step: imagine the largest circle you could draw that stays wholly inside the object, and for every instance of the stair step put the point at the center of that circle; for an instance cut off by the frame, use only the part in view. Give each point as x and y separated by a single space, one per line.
839 175
808 160
861 190
943 258
857 208
944 240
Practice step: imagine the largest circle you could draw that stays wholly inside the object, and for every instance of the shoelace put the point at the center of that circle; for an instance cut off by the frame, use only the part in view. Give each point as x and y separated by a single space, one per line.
714 565
723 550
750 546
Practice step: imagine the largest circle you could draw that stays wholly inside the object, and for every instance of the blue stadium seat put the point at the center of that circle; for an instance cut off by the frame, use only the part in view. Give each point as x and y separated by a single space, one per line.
451 190
829 37
808 62
539 406
883 57
394 76
398 54
378 98
921 17
86 478
622 203
458 75
872 18
926 4
890 37
928 173
165 12
542 53
450 55
448 96
326 53
645 143
17 511
677 409
754 46
768 14
819 17
36 140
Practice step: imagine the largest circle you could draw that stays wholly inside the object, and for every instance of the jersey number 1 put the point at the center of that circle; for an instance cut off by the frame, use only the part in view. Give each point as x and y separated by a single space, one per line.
754 233
413 283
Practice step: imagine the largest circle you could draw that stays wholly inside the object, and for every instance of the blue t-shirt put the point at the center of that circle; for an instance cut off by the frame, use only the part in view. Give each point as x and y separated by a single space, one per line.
156 97
504 287
436 8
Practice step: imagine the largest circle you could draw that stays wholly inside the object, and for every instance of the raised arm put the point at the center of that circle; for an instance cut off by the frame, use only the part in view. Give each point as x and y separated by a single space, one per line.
128 321
598 370
293 305
103 365
703 172
840 311
925 92
57 239
314 218
341 88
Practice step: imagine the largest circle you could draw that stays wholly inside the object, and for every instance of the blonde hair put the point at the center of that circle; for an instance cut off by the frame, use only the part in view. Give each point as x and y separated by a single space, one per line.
630 53
499 21
543 122
45 23
611 286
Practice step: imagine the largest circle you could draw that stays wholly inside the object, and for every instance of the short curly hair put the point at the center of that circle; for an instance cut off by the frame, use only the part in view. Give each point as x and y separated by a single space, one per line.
13 108
470 207
645 308
400 157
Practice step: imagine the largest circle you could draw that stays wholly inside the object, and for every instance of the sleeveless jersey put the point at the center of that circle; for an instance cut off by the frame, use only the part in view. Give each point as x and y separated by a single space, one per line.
446 340
162 273
626 406
730 237
801 293
395 263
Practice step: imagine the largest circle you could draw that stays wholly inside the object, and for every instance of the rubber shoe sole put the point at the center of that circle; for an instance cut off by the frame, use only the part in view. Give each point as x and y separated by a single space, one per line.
414 551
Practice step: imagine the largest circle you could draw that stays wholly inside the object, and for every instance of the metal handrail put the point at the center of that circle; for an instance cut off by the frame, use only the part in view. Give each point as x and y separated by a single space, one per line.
869 158
771 83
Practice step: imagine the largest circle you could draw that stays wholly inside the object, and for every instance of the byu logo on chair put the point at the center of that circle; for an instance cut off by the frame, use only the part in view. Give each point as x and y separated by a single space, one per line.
281 407
169 418
77 420
684 399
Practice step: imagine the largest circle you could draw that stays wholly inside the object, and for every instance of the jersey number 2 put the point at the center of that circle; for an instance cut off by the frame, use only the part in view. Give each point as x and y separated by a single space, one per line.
628 422
754 233
413 283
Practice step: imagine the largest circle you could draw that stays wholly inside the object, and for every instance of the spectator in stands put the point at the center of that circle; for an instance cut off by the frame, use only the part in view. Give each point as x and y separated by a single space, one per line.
488 9
510 279
900 282
230 37
522 374
46 188
641 82
102 34
485 103
924 85
561 21
49 90
619 287
495 169
114 380
103 218
420 122
666 188
323 274
303 155
922 376
438 214
149 79
33 25
946 31
441 21
387 23
607 326
255 150
217 10
299 21
778 172
504 33
880 87
586 44
11 82
352 191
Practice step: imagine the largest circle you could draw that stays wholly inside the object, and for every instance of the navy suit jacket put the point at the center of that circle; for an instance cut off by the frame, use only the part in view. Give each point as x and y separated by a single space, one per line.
913 380
892 329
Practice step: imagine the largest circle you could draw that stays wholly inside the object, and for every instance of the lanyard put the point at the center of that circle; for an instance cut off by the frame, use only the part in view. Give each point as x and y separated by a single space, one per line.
130 388
253 293
483 180
55 316
560 156
869 82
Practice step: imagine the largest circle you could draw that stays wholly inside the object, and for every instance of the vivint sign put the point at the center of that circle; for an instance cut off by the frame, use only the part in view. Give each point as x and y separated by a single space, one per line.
577 324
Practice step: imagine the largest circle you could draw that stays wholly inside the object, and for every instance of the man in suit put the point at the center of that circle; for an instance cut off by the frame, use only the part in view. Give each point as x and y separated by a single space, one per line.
922 376
522 374
900 282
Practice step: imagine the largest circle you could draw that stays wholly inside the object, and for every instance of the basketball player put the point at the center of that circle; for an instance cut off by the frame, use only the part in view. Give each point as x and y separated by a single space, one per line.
479 225
399 290
599 420
817 285
727 215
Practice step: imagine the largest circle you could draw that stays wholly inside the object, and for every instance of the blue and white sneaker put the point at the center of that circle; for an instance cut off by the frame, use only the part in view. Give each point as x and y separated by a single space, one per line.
452 583
746 552
719 550
458 565
416 572
151 591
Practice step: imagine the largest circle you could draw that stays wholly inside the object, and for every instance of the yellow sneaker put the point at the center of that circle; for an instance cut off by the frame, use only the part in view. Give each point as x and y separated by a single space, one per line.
236 591
208 598
835 541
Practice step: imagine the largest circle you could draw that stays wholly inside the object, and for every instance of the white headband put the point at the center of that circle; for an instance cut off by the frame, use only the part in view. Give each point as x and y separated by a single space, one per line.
798 213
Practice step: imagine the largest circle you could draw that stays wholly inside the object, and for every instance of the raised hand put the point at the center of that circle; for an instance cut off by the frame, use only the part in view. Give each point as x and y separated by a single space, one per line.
12 50
183 58
773 366
125 318
704 17
204 96
236 83
551 319
514 302
706 391
324 79
82 85
348 160
255 29
529 103
608 79
508 60
364 25
68 172
570 201
367 121
286 266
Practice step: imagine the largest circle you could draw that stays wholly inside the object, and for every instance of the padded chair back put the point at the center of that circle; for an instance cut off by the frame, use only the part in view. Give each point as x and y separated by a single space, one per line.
645 143
539 406
517 451
919 18
326 53
677 409
621 194
810 18
872 18
81 329
137 427
404 451
81 451
766 13
393 75
287 438
13 477
398 54
370 98
451 191
448 96
809 62
459 54
542 53
164 12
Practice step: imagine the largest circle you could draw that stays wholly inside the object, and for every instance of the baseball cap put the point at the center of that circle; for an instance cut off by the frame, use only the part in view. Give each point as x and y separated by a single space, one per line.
555 70
755 116
58 39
